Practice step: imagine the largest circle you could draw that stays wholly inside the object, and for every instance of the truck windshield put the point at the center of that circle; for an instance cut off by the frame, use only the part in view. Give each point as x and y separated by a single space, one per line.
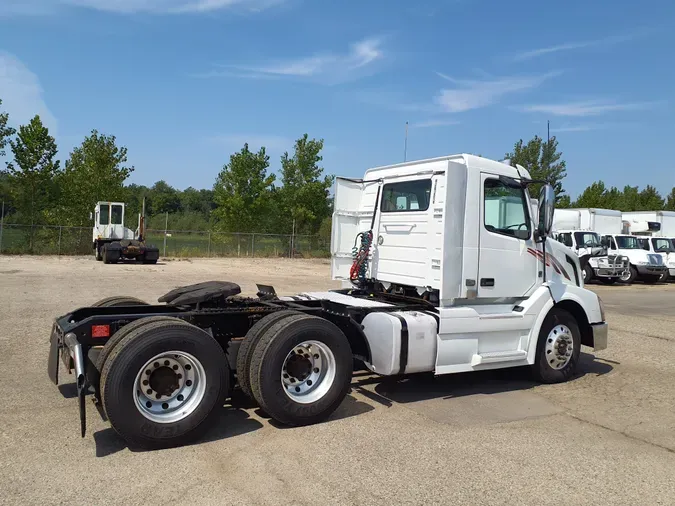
627 242
116 215
663 245
104 216
587 239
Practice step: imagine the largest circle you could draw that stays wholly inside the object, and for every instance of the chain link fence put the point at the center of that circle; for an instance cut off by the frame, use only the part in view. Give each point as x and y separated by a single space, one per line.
63 240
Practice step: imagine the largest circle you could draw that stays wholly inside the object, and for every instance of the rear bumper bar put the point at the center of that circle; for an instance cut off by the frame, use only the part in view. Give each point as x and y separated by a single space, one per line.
68 350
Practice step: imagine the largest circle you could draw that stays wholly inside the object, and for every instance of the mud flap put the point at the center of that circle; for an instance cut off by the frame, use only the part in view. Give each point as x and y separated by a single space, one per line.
53 364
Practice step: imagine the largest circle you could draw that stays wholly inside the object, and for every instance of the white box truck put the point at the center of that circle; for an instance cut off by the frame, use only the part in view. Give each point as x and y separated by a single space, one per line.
643 266
575 229
657 232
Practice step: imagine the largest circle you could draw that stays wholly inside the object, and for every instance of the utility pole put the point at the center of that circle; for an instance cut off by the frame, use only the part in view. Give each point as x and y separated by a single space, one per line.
405 146
548 131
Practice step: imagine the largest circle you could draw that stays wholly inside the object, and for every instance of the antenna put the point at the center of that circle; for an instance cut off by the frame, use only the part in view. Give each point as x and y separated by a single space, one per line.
405 146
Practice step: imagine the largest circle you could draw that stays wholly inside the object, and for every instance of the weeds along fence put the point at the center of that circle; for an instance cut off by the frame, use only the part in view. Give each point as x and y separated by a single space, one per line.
63 240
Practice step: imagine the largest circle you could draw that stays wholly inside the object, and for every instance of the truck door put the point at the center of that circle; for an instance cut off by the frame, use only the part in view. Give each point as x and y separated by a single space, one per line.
404 244
508 258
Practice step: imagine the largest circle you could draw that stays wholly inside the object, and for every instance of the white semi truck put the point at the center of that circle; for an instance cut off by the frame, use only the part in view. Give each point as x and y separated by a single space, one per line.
656 230
444 270
575 228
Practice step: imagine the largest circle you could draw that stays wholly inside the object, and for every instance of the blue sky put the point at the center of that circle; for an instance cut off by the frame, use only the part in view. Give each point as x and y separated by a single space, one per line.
183 83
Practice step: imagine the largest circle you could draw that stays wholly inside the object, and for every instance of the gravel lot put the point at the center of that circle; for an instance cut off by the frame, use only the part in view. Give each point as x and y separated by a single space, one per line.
606 437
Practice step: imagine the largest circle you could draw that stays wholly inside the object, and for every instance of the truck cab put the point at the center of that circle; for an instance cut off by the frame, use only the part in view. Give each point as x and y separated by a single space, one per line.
595 262
644 266
458 232
663 246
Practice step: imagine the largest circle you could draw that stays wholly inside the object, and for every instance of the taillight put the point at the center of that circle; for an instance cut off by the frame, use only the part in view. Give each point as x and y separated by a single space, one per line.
100 331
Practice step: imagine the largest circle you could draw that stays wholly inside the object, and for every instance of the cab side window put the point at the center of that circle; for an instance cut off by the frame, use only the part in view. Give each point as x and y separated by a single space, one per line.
406 196
505 210
566 239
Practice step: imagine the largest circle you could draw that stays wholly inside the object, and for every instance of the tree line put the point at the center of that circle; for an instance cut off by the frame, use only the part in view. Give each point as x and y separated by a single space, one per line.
245 197
37 190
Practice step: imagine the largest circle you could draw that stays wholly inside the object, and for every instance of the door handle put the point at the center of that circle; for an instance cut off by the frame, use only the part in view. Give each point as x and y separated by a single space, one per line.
487 281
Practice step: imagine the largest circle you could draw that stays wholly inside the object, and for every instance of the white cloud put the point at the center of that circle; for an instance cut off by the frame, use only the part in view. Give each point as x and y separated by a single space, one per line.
587 127
21 93
607 41
586 108
331 68
433 123
36 7
472 94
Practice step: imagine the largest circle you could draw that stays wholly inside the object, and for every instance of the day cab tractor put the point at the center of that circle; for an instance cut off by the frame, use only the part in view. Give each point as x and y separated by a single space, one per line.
444 268
112 241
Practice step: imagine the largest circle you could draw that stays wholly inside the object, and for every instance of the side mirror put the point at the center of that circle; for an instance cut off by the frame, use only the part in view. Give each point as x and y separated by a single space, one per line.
546 208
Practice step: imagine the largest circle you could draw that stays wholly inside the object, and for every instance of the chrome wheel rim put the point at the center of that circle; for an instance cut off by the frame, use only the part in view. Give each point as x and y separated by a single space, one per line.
308 372
559 347
169 387
625 276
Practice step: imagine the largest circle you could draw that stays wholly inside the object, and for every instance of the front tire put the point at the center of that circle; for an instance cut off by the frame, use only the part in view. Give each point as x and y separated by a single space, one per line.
301 370
161 383
588 274
558 347
630 276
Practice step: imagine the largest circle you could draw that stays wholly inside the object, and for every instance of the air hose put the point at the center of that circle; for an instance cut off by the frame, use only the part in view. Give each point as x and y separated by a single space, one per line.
360 253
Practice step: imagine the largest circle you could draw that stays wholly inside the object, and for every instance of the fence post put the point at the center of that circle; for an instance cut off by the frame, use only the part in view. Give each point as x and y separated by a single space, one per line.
252 245
166 226
208 252
59 253
292 238
2 224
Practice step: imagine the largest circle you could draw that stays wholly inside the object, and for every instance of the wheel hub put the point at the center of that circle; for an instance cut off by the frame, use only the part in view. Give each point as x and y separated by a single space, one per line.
559 347
169 387
308 371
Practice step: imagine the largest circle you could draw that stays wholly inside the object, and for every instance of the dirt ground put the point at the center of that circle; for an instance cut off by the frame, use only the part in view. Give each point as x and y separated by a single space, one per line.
605 437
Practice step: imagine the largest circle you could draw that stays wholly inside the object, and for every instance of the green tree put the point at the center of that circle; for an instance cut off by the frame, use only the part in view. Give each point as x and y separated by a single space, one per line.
164 198
304 194
96 170
5 131
593 196
630 199
649 199
670 201
243 191
543 161
32 174
564 202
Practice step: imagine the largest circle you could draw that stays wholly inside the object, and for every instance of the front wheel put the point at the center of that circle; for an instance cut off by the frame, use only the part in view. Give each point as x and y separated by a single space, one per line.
588 274
161 383
558 347
629 276
301 370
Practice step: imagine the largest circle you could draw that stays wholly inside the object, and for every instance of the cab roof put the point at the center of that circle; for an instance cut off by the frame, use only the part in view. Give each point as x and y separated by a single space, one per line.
473 162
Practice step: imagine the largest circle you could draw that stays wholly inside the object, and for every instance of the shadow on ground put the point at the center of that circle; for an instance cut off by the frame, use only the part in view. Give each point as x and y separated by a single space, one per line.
228 422
422 387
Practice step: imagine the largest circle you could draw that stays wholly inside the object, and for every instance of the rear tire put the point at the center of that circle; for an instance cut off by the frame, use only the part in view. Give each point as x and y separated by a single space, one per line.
119 300
558 347
248 346
97 253
172 419
115 340
296 388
